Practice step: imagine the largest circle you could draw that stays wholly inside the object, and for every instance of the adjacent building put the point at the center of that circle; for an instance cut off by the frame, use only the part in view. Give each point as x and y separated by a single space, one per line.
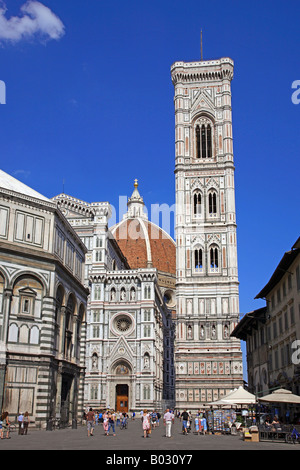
272 333
43 304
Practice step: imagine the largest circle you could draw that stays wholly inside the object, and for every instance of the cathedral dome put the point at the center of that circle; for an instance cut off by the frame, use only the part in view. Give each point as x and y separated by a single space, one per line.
142 242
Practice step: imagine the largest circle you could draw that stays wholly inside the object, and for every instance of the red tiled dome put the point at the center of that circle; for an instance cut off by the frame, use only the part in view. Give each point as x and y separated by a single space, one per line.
144 244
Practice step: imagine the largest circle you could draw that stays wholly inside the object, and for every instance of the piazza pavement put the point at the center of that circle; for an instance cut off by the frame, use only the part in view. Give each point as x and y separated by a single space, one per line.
131 442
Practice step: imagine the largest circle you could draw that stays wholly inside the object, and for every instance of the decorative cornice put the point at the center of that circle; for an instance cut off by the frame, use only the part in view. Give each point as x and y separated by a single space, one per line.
80 207
209 70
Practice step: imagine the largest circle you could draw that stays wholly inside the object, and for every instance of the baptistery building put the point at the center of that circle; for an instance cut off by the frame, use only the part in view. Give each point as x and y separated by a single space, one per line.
43 303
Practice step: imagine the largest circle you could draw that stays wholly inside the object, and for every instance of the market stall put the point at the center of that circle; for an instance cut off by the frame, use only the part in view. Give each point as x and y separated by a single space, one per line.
222 418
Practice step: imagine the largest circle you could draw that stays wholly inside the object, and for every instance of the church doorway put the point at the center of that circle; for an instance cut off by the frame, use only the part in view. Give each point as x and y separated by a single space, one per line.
122 398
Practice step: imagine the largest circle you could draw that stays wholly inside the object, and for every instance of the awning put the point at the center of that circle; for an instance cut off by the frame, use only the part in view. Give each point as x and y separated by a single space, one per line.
281 396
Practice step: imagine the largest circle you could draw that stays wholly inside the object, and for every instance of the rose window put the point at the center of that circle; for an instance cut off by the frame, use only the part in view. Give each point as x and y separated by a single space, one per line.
123 324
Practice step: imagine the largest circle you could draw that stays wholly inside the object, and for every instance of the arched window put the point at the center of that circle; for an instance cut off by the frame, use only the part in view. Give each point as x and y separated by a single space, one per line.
68 332
204 141
2 283
58 307
198 259
212 203
197 204
214 257
208 142
79 328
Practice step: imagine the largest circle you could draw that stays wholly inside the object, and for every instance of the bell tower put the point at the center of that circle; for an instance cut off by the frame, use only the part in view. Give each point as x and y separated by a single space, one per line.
208 360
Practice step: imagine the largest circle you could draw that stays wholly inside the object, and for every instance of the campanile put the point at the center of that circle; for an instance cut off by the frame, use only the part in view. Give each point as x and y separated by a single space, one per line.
208 360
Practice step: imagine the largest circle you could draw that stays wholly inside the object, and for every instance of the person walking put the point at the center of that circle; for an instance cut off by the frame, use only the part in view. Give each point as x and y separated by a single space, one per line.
105 422
26 422
111 423
197 424
168 420
90 421
21 424
5 425
146 423
185 417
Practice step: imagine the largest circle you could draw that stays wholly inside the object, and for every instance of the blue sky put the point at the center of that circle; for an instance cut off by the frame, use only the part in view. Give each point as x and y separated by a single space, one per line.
90 102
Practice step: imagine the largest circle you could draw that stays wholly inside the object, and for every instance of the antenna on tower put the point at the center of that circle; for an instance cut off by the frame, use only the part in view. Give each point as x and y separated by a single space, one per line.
201 47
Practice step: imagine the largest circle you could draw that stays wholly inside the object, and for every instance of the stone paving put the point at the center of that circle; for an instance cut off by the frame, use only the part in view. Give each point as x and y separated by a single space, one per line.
132 439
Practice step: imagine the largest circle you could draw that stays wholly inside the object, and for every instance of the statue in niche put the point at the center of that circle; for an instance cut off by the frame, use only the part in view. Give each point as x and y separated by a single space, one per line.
132 294
213 332
94 361
146 361
226 332
189 332
202 332
112 294
123 294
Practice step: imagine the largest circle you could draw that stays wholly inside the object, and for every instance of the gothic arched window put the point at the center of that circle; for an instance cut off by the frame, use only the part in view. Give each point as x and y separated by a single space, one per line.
214 257
212 203
204 141
198 259
197 204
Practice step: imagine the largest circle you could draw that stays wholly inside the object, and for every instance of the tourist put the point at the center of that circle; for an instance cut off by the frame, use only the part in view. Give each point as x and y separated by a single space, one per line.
90 421
197 424
26 422
153 419
118 415
21 424
168 420
105 422
204 424
5 425
146 423
124 418
275 424
111 423
185 417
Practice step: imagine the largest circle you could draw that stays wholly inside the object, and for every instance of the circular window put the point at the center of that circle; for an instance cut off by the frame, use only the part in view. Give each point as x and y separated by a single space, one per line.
169 298
123 324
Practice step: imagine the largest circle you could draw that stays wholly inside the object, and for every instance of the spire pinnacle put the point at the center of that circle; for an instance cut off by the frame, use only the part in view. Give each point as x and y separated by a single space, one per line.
135 204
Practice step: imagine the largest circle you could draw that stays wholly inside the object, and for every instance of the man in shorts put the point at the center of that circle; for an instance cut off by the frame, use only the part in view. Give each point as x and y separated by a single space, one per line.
185 418
90 421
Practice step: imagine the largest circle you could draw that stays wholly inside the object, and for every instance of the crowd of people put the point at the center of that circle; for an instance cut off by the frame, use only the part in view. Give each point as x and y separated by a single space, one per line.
200 422
150 420
5 424
109 419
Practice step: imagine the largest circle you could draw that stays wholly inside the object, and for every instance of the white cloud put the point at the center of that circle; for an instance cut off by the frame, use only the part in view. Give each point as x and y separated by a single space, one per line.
36 20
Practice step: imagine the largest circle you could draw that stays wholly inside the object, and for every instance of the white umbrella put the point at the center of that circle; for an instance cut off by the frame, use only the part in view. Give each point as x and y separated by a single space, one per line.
240 397
281 396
